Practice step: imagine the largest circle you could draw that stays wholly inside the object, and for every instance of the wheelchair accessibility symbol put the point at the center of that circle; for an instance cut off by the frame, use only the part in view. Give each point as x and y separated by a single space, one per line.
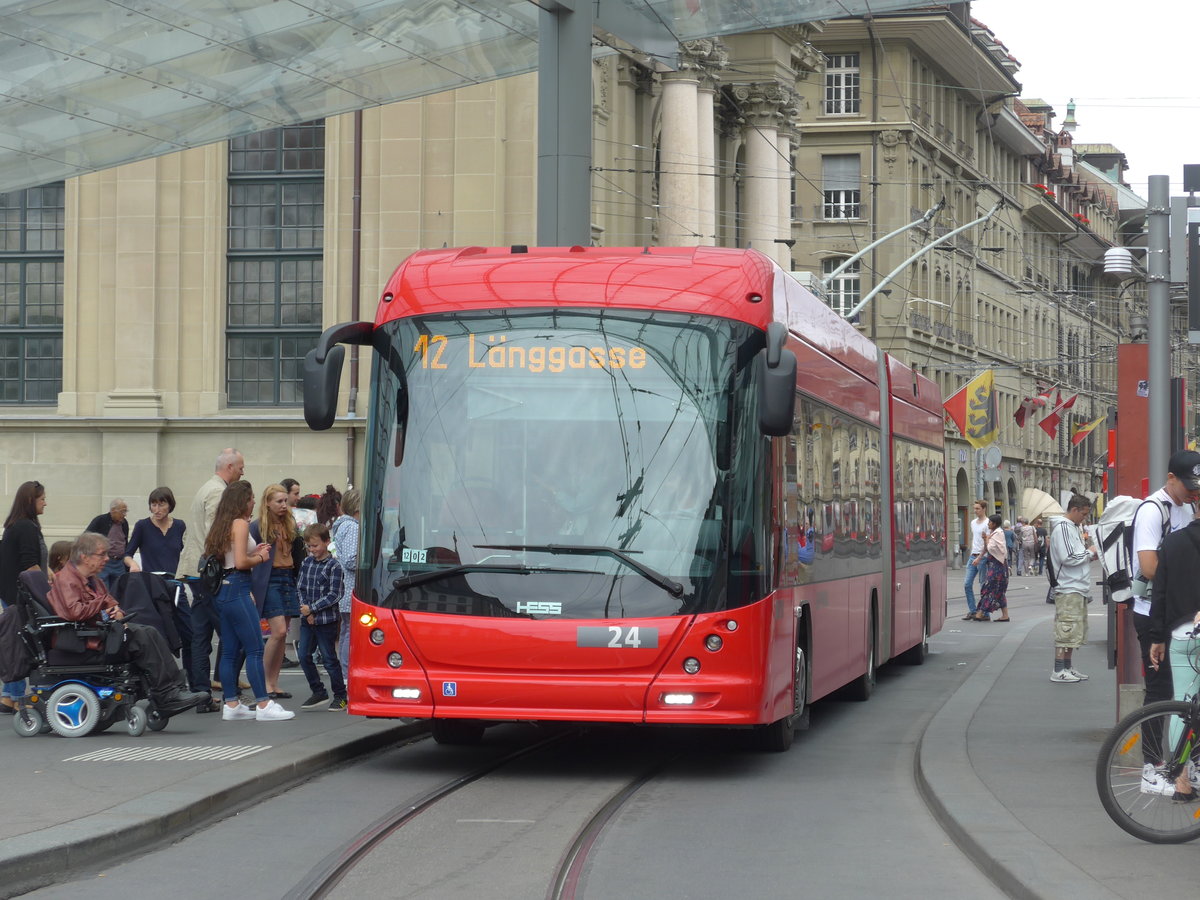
449 688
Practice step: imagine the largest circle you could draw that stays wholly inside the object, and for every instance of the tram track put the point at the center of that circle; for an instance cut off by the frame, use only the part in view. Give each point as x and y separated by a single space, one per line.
324 878
570 868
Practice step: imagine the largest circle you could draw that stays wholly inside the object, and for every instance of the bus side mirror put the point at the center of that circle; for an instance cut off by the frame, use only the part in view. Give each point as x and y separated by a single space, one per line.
322 371
321 381
776 383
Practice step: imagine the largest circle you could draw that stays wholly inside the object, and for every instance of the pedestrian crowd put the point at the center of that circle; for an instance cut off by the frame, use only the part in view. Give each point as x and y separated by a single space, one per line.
1164 558
287 559
998 552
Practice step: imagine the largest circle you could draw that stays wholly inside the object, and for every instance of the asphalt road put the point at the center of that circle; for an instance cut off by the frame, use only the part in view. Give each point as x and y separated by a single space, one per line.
836 816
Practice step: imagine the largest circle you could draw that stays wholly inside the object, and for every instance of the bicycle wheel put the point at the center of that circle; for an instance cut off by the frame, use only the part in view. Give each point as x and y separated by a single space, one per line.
1163 735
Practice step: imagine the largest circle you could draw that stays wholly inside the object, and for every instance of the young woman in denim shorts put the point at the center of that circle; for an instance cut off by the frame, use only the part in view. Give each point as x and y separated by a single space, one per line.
275 585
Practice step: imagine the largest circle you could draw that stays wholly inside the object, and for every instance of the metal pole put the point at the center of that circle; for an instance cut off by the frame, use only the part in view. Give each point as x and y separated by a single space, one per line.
924 220
564 124
1159 301
904 265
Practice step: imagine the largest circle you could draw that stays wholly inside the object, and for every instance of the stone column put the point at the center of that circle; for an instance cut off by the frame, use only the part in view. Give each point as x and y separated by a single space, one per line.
679 187
765 107
712 56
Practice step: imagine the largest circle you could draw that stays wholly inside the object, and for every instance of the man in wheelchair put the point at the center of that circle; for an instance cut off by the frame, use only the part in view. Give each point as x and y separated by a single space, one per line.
77 595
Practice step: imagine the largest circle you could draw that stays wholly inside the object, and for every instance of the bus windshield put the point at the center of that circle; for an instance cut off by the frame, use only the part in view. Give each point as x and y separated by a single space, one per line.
563 463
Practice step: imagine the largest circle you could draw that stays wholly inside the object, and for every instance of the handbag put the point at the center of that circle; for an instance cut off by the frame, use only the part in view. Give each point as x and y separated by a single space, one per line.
212 574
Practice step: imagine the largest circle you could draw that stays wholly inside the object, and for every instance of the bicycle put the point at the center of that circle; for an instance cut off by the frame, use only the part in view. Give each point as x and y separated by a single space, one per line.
1160 739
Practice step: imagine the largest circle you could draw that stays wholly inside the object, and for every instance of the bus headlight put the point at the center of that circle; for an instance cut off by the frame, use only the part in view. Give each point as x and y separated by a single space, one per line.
691 665
378 637
713 643
395 660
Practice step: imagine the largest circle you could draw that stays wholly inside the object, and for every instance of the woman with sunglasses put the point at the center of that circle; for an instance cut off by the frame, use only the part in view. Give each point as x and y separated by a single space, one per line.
21 549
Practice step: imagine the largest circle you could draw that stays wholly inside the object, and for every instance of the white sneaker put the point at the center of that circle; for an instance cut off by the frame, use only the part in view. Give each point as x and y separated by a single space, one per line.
273 712
1066 676
1153 782
1078 674
231 713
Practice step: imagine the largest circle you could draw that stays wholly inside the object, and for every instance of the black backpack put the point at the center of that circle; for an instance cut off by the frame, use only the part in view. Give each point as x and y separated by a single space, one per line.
1050 568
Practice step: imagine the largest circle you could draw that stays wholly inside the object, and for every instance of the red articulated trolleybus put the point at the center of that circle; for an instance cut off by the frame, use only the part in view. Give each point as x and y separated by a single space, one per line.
653 485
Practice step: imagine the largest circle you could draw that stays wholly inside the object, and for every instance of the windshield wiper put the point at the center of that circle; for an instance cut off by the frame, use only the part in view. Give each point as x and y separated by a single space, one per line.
674 588
407 581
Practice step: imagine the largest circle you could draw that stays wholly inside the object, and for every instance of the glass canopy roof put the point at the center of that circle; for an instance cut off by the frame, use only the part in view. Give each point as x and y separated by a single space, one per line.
88 84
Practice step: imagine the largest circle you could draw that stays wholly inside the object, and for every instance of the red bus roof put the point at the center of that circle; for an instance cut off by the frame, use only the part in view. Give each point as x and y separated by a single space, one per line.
710 280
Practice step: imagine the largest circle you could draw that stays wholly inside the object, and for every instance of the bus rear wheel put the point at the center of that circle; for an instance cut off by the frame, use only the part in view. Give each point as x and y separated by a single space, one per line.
457 732
863 686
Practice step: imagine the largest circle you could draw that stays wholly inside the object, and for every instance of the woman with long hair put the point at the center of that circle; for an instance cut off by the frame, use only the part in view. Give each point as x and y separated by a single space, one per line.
329 505
229 539
274 585
21 549
993 594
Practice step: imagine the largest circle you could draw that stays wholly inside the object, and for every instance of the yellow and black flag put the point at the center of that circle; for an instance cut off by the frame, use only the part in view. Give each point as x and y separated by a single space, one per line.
973 409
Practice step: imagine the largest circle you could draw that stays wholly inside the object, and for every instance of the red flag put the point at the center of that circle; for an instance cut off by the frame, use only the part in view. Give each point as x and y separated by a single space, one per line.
1029 404
1050 423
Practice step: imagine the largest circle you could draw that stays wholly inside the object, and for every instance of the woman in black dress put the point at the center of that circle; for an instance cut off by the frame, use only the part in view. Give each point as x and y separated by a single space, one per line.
21 549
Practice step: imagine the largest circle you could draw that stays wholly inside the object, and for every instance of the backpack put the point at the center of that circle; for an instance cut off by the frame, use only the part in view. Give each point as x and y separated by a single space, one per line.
1051 576
1114 533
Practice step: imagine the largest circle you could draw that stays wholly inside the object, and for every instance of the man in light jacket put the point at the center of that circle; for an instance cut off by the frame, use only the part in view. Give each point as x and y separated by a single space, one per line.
1071 561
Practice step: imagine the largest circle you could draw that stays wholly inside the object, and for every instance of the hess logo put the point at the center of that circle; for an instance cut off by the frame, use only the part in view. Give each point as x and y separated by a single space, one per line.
539 608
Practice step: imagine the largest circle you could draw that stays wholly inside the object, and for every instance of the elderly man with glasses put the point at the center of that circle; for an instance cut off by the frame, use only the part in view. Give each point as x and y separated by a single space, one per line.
79 596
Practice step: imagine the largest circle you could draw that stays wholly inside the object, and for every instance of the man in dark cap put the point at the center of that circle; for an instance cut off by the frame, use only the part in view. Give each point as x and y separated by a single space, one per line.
1166 510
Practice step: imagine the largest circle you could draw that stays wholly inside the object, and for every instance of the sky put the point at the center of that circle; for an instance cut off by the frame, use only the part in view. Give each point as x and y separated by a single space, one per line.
1135 82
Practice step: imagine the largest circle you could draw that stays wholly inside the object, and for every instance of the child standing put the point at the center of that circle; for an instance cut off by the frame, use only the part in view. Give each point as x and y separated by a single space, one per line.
320 589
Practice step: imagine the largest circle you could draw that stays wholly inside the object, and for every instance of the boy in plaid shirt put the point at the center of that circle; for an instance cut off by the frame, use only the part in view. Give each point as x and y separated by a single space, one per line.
320 589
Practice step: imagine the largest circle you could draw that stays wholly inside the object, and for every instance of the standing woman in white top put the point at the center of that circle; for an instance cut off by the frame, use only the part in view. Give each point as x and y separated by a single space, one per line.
229 538
975 561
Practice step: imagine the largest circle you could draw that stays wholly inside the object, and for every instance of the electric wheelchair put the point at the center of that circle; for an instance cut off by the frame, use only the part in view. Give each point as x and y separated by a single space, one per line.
75 690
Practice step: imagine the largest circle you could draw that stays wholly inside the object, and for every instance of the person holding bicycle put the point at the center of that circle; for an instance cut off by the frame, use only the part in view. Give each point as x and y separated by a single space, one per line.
1174 615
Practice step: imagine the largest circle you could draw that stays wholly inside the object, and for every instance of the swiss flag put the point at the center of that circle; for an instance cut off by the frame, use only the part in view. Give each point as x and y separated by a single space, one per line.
1050 423
1029 404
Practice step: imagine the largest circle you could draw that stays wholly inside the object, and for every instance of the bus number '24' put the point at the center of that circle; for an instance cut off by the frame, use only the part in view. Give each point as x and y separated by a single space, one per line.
424 342
622 637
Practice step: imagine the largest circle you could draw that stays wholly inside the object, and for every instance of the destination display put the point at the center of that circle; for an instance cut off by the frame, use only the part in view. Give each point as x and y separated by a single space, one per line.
497 352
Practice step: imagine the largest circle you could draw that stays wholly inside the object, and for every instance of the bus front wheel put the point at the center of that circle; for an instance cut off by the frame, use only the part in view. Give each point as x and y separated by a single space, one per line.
777 736
456 732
